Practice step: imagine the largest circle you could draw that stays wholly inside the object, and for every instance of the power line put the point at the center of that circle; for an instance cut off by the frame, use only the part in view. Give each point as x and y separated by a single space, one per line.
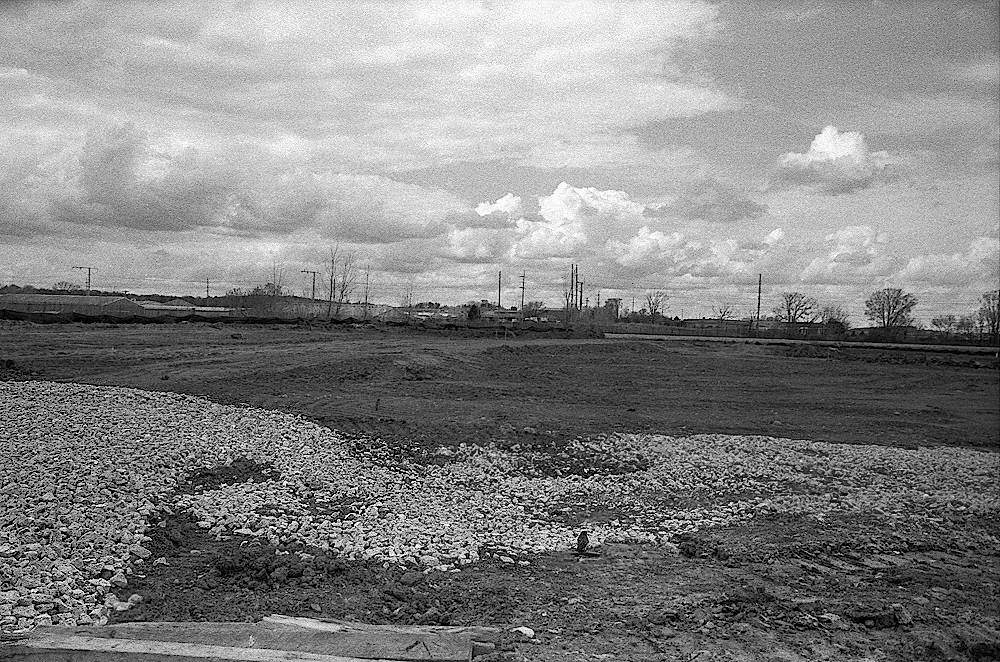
760 282
307 271
88 275
522 293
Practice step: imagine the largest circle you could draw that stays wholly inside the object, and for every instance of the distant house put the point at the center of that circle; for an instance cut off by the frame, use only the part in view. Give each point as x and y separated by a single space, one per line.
549 315
799 330
404 314
717 327
501 315
892 334
67 304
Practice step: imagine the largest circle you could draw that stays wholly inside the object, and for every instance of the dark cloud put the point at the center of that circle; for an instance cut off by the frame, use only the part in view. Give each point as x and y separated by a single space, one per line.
473 219
119 177
185 194
832 178
710 200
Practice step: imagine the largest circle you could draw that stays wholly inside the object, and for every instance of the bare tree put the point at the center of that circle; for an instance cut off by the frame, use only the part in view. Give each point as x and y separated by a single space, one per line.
277 275
270 289
723 312
835 315
945 323
795 307
988 314
656 302
966 325
532 308
406 298
890 307
347 279
343 274
67 286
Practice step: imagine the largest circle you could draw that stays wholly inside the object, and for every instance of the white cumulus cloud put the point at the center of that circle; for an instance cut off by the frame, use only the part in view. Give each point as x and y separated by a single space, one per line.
575 219
980 263
509 204
853 252
836 162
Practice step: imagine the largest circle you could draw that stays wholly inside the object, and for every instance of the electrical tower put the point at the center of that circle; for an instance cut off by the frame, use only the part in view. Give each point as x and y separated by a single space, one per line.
88 275
306 271
522 294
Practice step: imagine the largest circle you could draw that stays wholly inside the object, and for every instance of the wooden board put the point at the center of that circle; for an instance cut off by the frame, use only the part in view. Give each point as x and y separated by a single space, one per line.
76 648
483 639
473 631
410 647
274 638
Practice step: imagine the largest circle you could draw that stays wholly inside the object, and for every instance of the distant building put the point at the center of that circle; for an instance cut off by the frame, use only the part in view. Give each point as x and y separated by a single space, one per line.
892 334
501 315
403 313
717 327
106 306
799 330
67 304
182 308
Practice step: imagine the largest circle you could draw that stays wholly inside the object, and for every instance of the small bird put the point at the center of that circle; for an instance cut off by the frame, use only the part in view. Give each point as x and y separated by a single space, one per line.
582 541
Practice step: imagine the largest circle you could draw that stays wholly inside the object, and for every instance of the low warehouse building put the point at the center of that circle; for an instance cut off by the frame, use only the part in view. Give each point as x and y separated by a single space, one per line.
66 304
184 309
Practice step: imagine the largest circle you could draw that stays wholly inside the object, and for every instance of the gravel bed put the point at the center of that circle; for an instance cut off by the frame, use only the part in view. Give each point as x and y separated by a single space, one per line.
82 467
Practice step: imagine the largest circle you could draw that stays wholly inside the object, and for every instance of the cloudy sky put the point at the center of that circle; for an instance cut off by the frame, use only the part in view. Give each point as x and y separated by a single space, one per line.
834 147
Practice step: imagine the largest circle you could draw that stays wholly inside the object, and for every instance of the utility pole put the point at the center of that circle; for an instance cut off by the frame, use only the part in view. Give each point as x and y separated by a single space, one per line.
572 286
329 305
499 280
760 282
206 290
522 294
88 276
367 272
306 271
579 299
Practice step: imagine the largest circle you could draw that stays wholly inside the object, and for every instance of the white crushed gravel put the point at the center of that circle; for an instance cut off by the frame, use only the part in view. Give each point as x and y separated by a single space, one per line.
82 466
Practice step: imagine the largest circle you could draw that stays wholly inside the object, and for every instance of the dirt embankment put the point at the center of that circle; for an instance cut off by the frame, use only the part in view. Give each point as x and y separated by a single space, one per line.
419 389
789 588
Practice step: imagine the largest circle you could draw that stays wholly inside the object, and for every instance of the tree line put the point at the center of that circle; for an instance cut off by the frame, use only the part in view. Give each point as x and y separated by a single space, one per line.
885 308
892 308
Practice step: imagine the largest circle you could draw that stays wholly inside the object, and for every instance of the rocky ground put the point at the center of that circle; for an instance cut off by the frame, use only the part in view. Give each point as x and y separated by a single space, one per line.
80 534
705 546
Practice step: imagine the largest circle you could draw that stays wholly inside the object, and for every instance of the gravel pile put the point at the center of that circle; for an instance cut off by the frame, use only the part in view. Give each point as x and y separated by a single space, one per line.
82 467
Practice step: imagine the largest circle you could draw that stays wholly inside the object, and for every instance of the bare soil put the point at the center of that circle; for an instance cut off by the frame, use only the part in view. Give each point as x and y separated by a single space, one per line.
786 588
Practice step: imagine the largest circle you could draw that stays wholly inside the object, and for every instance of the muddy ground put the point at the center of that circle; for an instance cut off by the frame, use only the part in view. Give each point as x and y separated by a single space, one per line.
782 589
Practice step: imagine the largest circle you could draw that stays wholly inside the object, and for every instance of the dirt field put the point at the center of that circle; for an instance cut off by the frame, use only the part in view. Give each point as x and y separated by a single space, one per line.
787 588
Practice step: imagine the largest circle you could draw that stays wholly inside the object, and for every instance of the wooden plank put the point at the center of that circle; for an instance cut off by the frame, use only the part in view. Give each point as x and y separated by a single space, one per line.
474 631
409 646
53 647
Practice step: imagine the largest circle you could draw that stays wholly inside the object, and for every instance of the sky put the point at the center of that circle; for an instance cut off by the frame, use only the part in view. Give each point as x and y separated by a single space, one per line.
834 148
